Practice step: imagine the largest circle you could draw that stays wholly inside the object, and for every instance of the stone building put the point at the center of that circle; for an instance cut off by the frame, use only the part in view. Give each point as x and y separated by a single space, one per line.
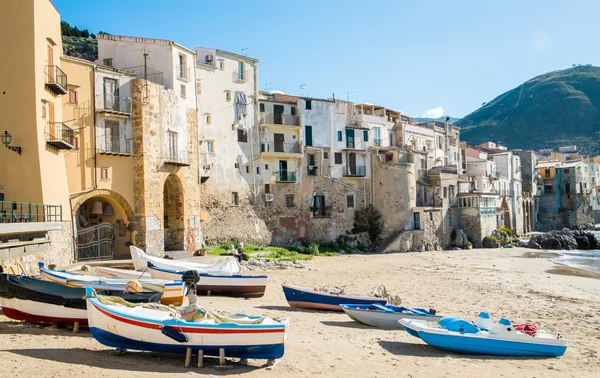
528 178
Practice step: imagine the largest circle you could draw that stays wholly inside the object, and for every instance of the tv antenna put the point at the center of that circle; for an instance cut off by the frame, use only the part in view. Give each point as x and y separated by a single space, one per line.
244 49
302 86
267 86
146 53
349 94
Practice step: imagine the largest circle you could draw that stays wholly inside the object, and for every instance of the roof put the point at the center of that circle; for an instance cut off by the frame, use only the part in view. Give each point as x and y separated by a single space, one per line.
94 64
236 55
558 164
113 37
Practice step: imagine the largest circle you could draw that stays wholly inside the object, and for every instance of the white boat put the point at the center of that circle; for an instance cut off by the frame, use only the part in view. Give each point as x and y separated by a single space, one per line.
168 330
234 285
502 339
103 271
140 262
386 316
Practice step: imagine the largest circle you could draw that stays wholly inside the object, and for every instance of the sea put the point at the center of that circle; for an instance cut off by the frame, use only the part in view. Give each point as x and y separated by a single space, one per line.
587 260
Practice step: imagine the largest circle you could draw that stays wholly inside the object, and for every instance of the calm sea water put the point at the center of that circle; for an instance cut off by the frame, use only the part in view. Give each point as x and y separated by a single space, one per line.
588 260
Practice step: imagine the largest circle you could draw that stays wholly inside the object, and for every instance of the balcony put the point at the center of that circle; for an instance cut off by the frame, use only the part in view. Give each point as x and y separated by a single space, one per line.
177 157
267 119
205 172
113 105
356 124
321 212
280 149
59 136
56 80
312 170
240 76
116 146
183 72
285 177
27 212
430 202
377 142
354 171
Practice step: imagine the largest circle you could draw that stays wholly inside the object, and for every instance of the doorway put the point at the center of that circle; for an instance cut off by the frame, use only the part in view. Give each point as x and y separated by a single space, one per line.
279 140
173 217
278 114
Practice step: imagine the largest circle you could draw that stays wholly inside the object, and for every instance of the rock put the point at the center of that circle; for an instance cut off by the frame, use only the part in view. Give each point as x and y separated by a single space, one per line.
533 244
488 242
460 239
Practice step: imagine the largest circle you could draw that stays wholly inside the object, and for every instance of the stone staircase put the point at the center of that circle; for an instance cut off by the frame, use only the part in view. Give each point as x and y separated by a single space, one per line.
389 243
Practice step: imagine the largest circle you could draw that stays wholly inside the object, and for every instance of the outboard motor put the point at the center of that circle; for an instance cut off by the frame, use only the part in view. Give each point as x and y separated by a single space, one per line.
191 278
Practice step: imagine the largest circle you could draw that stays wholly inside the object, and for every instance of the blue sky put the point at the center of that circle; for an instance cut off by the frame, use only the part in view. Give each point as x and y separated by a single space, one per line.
414 56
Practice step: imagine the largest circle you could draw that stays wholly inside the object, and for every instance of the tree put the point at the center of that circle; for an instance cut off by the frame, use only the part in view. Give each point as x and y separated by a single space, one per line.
368 220
85 33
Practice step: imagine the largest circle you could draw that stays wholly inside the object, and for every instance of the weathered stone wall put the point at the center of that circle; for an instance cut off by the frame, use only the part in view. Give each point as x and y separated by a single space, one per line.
58 251
476 225
151 171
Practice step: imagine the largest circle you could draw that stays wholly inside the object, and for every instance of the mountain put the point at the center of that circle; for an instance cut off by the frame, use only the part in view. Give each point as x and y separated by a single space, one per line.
555 109
439 119
80 47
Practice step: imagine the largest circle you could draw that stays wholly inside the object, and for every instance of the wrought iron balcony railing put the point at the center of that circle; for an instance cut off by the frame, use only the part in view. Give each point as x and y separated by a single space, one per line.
115 146
354 170
177 157
285 177
59 135
56 80
289 148
18 212
183 72
113 104
321 212
279 119
377 142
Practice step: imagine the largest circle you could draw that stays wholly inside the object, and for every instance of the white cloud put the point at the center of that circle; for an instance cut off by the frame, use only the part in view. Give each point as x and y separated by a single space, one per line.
434 113
542 41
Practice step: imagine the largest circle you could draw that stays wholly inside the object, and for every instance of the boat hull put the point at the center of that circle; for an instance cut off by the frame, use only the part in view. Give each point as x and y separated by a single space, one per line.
38 312
485 343
140 329
226 285
299 297
381 319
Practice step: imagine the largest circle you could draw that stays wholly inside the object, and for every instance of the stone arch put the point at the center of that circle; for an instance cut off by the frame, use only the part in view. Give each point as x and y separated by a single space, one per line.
103 193
173 213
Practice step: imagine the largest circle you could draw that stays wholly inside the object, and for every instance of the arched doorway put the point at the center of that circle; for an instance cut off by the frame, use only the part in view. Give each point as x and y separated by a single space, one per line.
173 218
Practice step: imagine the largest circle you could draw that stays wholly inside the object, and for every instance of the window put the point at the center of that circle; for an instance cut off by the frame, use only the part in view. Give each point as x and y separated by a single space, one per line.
339 136
182 90
308 135
221 65
366 135
258 170
289 200
325 155
308 104
199 87
112 137
266 166
247 169
350 201
312 165
234 199
107 62
209 146
547 173
548 189
293 110
75 143
44 111
319 208
338 157
567 170
242 136
173 150
262 107
72 96
241 73
445 192
227 95
208 119
417 220
267 188
182 72
103 173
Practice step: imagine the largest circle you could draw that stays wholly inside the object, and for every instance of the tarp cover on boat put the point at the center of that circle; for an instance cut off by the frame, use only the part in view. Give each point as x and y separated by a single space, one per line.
32 289
228 266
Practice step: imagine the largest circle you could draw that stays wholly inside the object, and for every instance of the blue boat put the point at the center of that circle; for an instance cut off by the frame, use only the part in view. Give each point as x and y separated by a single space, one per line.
460 336
321 299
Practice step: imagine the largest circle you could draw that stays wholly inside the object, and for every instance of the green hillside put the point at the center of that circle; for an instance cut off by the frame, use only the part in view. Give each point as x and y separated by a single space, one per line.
554 109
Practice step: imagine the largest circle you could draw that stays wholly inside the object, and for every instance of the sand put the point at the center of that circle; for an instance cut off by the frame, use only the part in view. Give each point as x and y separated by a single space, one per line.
458 283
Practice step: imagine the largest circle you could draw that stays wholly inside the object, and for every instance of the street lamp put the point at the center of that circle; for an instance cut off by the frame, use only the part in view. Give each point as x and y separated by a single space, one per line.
6 139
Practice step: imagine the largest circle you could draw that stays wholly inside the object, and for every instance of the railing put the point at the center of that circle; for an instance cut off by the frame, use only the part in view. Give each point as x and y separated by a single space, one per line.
240 76
112 103
289 148
321 212
354 170
17 212
56 79
145 72
183 72
115 145
59 135
285 177
279 119
436 171
177 157
96 242
377 142
312 170
430 202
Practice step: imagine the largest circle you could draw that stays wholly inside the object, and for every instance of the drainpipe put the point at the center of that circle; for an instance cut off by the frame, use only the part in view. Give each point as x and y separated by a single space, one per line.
255 110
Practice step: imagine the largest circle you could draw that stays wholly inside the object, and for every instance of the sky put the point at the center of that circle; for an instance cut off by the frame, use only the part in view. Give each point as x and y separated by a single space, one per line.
423 58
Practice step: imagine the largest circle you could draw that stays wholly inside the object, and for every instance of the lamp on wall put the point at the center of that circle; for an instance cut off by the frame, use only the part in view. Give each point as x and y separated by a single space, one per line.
6 139
108 210
97 208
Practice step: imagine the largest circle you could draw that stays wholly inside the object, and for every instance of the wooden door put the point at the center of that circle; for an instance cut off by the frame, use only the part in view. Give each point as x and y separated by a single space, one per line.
279 139
278 114
50 64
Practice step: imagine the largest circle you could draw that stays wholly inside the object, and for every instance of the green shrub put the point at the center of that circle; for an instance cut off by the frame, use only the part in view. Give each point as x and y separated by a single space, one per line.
368 220
469 245
489 240
312 249
507 232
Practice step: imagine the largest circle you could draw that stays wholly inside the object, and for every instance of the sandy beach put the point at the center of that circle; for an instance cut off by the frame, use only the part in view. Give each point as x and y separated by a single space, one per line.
458 283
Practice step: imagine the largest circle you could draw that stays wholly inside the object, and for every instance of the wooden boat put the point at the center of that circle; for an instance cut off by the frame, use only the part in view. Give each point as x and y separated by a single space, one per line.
233 285
386 316
103 271
37 301
140 262
322 299
170 331
460 336
173 290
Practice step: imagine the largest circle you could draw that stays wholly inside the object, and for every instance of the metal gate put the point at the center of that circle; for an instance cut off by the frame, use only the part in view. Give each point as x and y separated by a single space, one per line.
96 242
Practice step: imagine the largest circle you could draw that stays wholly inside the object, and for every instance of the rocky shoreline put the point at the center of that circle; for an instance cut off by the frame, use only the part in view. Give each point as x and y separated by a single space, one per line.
564 239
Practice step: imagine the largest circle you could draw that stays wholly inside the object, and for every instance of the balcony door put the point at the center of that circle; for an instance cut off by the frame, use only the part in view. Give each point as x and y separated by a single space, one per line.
50 64
111 94
352 163
279 139
278 114
283 170
350 138
112 136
